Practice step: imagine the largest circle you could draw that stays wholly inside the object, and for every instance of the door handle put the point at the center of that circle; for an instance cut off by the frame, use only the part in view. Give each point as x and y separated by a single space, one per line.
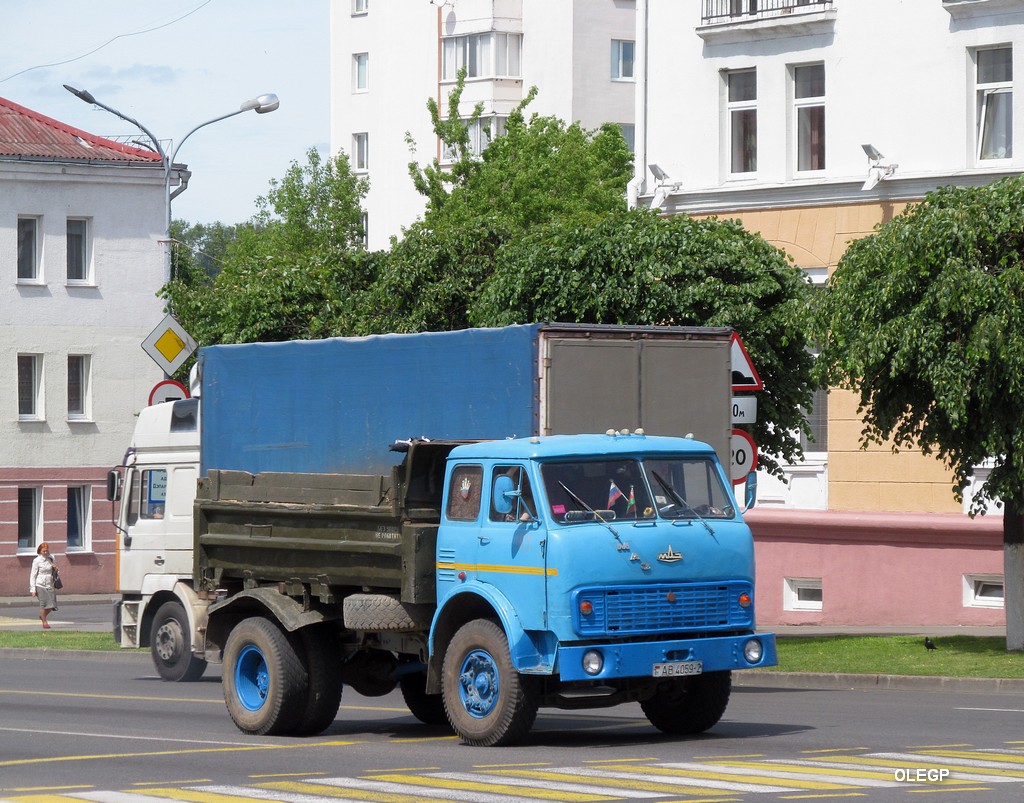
484 539
158 560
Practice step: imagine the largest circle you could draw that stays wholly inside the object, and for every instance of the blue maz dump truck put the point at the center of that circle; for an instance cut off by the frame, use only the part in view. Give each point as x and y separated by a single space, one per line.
439 513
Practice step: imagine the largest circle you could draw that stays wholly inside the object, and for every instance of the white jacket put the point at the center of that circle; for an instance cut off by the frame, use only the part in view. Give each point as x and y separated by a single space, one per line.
41 573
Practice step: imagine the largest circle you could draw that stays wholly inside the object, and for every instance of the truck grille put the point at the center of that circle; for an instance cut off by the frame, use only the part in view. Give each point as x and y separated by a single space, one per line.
633 610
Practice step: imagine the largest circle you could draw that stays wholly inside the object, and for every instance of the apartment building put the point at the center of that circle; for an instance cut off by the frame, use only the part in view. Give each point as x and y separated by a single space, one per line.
388 58
81 258
812 121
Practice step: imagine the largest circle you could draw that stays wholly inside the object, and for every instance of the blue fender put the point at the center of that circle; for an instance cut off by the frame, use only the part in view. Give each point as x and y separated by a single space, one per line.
532 651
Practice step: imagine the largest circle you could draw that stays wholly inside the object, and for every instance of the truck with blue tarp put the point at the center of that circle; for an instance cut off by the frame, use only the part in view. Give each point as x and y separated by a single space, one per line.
395 511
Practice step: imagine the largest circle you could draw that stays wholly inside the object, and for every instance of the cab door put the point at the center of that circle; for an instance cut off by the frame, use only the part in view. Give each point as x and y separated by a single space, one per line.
511 554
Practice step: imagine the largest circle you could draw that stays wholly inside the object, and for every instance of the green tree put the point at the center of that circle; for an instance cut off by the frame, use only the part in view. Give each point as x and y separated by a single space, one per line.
202 244
924 320
294 271
633 267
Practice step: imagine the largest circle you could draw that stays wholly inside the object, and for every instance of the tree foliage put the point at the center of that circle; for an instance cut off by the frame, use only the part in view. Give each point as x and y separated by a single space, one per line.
924 320
633 267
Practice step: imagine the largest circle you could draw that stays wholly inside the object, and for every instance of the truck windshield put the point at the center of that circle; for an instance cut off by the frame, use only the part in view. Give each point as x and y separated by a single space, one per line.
631 490
688 488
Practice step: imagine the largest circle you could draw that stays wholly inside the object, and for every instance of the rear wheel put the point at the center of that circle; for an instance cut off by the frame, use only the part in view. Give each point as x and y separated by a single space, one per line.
487 701
265 684
689 705
322 660
170 643
427 708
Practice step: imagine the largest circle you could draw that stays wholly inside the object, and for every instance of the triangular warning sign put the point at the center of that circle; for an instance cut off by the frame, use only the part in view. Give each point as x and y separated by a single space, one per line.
744 374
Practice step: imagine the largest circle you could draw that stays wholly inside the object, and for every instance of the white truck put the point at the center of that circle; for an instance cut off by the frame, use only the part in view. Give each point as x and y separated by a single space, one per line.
156 483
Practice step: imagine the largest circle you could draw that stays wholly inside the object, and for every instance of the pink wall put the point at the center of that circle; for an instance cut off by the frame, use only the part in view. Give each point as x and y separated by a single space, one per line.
875 568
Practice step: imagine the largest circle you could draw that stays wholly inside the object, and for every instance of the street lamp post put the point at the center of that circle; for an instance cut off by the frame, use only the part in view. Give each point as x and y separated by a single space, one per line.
261 105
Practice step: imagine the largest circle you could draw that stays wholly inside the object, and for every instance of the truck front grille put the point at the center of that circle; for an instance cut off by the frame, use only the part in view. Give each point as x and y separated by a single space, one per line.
633 610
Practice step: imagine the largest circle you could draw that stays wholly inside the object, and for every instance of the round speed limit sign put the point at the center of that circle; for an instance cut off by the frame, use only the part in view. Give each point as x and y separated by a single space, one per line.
743 453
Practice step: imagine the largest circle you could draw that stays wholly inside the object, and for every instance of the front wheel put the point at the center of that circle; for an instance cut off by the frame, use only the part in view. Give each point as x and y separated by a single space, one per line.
487 701
689 705
170 643
265 684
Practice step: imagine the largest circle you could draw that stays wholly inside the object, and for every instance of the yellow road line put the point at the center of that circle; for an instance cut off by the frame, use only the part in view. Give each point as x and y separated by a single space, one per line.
600 780
475 786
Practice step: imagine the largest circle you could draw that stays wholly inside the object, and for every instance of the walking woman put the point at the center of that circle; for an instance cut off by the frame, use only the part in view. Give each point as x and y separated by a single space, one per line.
40 582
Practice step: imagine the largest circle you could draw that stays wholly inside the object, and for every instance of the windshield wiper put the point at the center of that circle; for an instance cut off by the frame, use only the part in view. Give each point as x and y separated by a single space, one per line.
597 515
679 500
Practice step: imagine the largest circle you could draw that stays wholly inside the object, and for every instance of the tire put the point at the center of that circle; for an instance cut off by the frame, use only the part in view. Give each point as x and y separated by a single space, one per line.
265 684
689 705
170 644
427 708
322 660
488 703
380 613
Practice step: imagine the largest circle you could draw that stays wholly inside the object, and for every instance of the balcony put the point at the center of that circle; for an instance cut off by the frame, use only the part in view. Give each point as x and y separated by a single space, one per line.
728 21
718 11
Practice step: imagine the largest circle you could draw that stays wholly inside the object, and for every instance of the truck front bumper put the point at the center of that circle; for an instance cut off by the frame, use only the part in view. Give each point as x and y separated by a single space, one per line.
638 659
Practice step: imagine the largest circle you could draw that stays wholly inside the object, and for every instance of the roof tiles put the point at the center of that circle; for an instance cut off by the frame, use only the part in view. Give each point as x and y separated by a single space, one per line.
25 134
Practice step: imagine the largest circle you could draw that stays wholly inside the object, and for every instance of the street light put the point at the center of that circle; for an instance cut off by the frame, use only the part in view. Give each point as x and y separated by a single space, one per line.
261 105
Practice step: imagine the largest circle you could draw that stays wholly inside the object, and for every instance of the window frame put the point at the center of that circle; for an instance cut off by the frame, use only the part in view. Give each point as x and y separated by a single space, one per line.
485 55
360 72
804 105
79 501
736 126
972 585
361 151
360 7
36 276
34 523
35 394
791 593
984 91
83 371
618 60
81 251
490 125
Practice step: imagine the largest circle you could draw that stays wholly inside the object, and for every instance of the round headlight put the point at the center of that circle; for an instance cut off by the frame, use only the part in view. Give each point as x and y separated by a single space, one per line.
593 662
753 651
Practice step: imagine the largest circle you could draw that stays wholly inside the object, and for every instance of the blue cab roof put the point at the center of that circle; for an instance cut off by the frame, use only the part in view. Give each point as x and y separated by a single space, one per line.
559 446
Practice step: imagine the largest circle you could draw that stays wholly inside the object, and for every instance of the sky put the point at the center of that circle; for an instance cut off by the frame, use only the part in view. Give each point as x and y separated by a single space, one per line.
173 65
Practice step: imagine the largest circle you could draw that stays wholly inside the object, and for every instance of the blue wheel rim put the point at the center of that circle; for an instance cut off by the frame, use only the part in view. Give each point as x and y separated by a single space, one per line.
252 680
479 684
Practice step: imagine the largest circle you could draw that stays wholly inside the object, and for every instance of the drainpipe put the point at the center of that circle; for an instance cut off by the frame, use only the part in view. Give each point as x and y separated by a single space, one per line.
637 184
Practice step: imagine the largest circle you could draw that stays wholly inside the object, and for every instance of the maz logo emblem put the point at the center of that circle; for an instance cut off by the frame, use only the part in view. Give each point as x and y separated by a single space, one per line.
669 556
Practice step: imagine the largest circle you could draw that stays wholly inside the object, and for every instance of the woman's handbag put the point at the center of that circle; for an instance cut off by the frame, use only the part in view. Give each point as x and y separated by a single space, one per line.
56 579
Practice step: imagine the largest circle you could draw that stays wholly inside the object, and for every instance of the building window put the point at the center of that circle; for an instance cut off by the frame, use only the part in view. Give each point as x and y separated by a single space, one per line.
78 250
360 6
622 60
28 249
482 132
983 591
629 134
78 386
79 503
364 224
360 72
30 387
484 55
817 419
29 509
802 594
742 112
809 103
995 103
361 151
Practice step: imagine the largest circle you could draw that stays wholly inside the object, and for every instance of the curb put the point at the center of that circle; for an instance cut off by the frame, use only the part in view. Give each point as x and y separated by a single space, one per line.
836 681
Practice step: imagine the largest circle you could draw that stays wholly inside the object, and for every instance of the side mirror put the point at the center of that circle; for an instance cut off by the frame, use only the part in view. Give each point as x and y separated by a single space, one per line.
113 486
503 494
750 491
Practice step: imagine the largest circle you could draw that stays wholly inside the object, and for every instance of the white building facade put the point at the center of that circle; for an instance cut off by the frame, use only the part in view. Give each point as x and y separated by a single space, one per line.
388 58
82 257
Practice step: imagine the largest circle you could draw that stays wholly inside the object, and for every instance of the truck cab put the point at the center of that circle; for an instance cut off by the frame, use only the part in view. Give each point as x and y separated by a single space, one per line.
156 487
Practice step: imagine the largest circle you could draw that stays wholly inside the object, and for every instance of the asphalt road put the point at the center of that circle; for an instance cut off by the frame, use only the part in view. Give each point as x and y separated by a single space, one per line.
103 727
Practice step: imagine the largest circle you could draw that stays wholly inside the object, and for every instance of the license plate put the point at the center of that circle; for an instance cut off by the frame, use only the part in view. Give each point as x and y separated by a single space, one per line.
676 669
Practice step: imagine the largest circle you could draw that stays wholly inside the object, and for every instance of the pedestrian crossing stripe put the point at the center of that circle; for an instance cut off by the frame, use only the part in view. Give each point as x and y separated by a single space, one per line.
710 780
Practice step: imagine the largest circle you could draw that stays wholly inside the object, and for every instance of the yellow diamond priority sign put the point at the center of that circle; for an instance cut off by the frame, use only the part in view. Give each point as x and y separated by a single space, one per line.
169 345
